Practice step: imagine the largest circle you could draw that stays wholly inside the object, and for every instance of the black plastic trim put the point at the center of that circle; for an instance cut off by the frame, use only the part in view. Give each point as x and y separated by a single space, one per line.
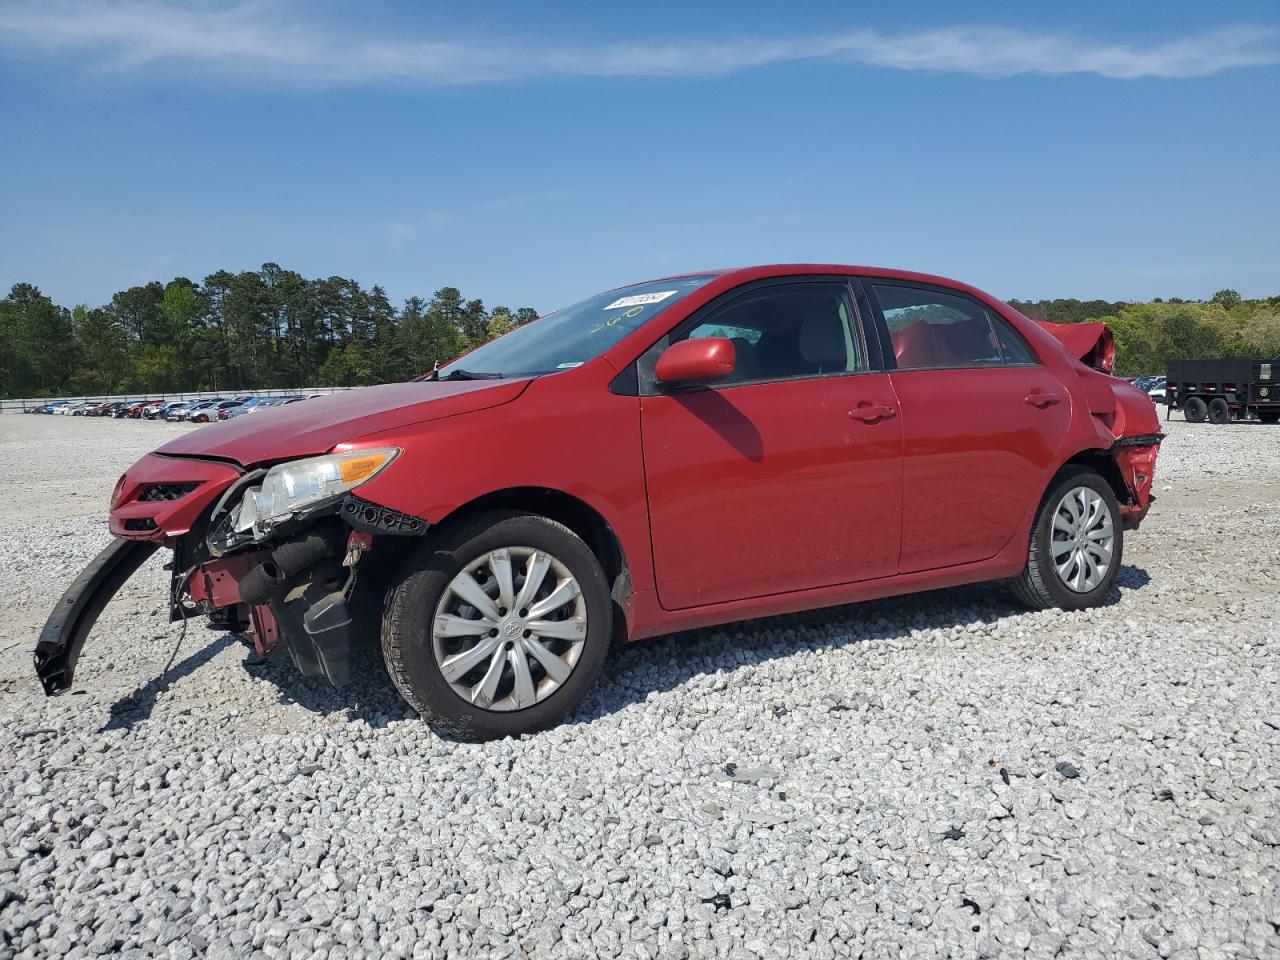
371 518
73 617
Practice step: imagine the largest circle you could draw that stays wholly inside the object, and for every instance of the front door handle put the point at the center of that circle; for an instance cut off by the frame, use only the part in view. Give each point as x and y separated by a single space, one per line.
872 411
1042 400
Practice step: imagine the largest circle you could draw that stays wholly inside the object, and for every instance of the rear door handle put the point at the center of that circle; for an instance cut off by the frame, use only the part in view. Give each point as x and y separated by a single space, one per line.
872 411
1038 399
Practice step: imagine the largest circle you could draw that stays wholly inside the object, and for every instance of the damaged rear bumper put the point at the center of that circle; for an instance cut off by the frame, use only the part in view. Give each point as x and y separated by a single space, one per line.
1136 458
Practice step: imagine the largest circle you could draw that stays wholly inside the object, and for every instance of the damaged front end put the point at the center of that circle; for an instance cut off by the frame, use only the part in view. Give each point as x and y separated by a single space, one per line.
268 554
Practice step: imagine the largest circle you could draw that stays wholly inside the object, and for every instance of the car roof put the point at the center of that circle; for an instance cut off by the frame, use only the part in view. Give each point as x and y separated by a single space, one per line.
763 271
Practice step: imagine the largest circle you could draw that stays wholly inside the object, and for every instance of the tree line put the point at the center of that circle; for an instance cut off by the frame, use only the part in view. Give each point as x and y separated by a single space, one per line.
275 328
235 331
1150 334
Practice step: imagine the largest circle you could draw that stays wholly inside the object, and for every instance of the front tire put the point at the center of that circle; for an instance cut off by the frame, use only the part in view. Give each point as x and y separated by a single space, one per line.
1219 411
500 627
1077 543
1269 416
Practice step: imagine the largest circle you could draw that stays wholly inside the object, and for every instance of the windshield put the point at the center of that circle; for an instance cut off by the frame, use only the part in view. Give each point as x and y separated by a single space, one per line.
569 338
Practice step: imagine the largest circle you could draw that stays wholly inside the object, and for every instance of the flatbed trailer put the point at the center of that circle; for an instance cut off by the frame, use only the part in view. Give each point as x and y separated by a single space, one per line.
1220 391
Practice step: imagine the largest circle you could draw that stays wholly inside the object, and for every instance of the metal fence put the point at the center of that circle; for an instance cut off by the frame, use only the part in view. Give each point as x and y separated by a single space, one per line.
29 403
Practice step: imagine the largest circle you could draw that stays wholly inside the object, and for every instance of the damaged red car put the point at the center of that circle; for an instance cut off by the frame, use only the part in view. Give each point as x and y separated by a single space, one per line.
674 454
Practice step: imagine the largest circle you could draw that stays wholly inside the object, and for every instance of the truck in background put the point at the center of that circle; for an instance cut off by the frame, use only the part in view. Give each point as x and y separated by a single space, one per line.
1220 391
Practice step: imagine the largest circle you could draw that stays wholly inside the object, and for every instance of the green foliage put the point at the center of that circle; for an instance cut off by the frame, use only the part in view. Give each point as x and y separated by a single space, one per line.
500 321
236 331
275 328
38 349
1227 298
1150 334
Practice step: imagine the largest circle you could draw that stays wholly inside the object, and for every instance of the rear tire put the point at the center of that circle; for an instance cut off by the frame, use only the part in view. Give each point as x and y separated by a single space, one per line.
1219 411
527 674
1063 555
1269 416
1194 410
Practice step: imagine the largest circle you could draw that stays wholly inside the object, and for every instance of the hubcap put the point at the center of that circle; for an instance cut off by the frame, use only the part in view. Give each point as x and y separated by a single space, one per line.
509 629
1083 539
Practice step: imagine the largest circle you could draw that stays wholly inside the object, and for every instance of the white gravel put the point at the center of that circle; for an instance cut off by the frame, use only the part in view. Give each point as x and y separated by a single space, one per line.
938 776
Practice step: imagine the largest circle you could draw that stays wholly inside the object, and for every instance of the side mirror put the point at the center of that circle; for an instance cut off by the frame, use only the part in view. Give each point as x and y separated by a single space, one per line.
695 361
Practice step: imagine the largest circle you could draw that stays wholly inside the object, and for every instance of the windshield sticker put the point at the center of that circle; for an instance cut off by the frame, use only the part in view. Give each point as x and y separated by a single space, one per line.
641 299
570 364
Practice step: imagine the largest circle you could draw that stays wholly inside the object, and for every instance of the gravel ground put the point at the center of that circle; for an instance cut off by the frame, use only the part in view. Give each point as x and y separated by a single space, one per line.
938 776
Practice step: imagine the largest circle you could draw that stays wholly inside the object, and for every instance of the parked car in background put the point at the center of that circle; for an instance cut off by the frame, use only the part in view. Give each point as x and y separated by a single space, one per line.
675 454
156 409
208 412
1156 390
175 412
200 407
263 403
246 404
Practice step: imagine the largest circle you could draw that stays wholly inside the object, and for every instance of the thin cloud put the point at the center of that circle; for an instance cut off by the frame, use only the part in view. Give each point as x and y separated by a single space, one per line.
274 38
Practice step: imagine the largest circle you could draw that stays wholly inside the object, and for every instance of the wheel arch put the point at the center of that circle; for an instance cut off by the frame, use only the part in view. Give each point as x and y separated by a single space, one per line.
1101 462
576 514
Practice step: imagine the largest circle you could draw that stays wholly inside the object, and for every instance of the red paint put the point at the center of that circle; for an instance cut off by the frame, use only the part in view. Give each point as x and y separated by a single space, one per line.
172 518
731 500
218 581
266 631
696 361
748 499
967 489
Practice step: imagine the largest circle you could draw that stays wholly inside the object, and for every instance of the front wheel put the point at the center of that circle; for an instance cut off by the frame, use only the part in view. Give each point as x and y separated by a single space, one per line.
1269 416
1219 411
500 628
1076 544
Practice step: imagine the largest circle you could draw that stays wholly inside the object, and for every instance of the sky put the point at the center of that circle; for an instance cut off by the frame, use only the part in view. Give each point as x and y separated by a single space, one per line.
533 154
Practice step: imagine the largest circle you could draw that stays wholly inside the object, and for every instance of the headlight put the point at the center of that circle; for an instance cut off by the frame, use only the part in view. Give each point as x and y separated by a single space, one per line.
292 487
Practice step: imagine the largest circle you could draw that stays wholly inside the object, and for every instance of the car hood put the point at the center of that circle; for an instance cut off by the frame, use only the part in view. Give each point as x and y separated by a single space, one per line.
315 426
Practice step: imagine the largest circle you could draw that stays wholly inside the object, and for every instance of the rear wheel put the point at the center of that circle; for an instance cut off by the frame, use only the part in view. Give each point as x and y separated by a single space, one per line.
1194 410
501 628
1219 411
1269 416
1076 544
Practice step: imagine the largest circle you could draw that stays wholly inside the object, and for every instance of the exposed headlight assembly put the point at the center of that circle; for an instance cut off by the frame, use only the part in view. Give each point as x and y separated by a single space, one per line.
300 485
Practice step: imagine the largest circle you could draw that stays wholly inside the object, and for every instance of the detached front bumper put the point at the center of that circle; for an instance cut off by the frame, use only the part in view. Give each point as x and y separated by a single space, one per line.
292 590
64 634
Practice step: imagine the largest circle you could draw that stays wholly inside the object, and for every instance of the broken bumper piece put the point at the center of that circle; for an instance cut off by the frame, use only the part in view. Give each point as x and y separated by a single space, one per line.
1136 458
64 633
292 590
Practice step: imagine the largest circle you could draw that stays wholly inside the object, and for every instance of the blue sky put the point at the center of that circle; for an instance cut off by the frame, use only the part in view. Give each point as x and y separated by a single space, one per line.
531 154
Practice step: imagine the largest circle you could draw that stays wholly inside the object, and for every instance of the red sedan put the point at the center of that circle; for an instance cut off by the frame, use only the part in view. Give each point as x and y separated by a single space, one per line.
673 454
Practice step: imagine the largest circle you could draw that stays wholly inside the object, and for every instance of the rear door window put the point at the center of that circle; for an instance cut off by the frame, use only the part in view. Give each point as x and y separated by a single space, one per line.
933 329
